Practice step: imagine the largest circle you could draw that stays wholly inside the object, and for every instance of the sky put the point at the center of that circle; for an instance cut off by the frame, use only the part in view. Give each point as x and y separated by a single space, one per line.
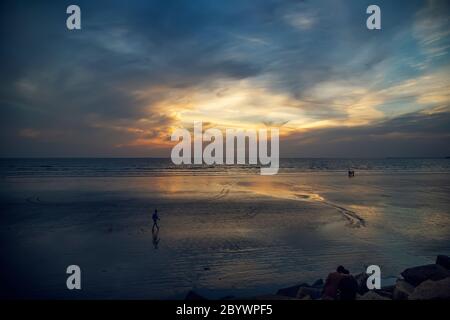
137 70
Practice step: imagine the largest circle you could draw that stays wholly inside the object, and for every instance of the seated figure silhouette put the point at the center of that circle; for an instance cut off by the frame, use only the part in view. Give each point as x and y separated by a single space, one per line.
348 286
340 285
330 290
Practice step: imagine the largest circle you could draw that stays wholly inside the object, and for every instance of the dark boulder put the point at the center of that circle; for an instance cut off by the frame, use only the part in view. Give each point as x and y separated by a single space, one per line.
312 292
270 297
385 291
318 284
443 261
191 295
402 290
432 290
371 295
361 279
417 275
291 291
388 288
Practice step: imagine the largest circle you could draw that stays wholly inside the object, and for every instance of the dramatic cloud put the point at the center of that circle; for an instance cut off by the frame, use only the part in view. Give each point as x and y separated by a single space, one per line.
139 69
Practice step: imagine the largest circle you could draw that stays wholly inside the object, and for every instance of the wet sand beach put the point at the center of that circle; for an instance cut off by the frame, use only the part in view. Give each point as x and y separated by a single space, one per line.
220 235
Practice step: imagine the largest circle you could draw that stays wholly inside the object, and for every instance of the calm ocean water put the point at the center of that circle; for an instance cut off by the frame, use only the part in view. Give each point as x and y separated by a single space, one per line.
135 167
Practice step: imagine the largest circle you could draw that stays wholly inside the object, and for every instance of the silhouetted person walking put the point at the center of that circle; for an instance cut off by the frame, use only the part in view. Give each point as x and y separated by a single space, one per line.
155 218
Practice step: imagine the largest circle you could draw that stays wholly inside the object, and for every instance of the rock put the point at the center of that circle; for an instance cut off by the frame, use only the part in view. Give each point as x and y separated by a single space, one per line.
443 261
386 292
291 291
191 295
417 275
432 290
388 288
402 290
318 284
371 295
312 292
271 297
361 279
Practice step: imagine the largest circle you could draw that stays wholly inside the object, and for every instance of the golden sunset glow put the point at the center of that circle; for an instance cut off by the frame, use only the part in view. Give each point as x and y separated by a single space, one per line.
248 104
130 87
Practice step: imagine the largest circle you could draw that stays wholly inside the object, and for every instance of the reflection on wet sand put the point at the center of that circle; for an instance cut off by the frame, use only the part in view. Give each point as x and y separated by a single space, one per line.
155 237
253 233
301 193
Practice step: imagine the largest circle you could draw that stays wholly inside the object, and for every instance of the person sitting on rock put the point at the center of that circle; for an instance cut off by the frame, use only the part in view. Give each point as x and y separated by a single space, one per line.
348 286
330 289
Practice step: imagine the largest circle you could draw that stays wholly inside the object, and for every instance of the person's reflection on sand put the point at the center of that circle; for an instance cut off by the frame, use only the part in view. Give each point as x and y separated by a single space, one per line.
156 238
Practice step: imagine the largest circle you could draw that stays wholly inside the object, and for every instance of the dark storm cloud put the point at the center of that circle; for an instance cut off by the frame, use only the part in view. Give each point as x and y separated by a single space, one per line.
128 46
410 135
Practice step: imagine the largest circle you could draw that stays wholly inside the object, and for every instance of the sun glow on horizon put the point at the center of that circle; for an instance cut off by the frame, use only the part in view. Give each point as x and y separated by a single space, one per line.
253 104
